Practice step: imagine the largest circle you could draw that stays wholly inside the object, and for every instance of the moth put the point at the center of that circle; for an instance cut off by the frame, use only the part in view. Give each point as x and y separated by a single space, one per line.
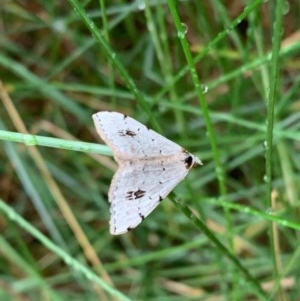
150 166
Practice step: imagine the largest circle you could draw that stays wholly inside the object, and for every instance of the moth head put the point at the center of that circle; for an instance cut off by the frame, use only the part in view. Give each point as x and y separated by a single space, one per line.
191 161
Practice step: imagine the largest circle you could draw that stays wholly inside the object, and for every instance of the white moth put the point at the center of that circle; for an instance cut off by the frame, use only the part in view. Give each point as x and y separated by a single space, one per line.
150 166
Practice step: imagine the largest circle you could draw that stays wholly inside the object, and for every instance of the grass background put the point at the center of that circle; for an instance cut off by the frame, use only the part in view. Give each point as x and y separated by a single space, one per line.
220 78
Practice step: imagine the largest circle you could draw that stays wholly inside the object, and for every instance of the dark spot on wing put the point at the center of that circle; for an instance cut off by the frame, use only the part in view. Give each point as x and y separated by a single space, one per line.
134 195
127 133
160 198
142 216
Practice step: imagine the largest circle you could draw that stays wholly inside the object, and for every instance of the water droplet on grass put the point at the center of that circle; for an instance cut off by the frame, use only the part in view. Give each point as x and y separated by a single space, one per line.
181 34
